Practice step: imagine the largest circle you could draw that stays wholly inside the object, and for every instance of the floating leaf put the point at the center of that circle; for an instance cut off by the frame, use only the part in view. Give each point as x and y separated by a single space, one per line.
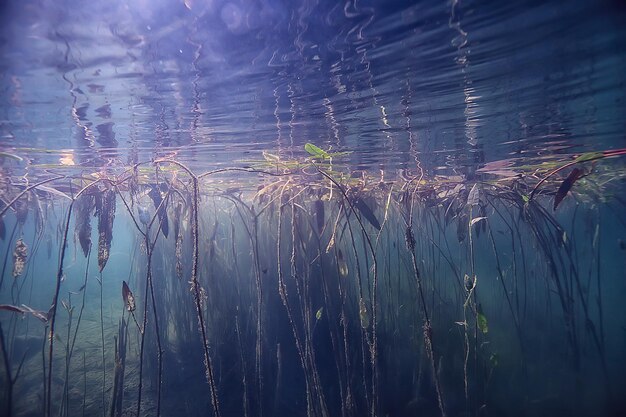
315 151
566 185
129 298
19 258
481 321
269 157
589 156
338 154
318 315
10 155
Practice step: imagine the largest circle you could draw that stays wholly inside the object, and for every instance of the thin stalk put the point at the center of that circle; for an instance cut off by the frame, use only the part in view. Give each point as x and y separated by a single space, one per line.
282 291
374 343
10 380
104 371
54 309
427 329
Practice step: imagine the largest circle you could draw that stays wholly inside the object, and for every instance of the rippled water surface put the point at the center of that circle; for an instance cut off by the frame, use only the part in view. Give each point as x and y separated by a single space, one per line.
453 84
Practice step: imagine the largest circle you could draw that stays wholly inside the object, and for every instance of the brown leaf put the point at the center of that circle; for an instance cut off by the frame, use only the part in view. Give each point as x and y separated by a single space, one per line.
129 298
19 258
105 209
84 207
566 185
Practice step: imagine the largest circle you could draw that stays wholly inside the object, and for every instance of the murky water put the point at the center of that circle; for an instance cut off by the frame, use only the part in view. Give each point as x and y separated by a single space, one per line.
264 208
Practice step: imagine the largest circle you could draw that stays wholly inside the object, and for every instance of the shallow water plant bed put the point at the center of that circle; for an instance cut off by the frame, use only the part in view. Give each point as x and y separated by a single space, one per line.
297 287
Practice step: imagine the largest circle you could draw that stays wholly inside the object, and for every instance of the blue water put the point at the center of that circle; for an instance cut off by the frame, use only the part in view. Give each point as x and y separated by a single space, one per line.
217 82
453 243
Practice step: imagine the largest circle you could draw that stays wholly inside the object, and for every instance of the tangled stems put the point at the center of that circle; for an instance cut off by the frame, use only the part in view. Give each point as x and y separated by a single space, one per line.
374 343
195 286
56 297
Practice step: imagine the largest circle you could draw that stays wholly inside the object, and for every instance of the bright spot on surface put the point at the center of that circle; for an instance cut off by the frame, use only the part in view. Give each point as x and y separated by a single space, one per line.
66 159
231 16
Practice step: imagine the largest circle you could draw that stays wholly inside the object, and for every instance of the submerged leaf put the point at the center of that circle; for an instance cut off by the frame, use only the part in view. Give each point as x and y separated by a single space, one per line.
105 210
2 229
319 215
144 216
84 207
343 266
481 321
476 220
155 195
19 258
364 315
461 228
493 360
366 212
25 309
469 283
473 198
318 315
481 226
129 298
566 185
12 308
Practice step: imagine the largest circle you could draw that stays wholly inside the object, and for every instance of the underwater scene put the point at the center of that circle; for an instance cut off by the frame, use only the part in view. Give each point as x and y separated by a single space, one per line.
315 208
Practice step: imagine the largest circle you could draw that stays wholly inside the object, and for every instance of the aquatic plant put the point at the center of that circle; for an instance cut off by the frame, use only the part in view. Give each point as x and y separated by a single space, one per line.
347 293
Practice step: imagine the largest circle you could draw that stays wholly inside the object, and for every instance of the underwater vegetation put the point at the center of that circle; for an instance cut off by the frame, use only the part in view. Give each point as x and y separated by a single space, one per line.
306 289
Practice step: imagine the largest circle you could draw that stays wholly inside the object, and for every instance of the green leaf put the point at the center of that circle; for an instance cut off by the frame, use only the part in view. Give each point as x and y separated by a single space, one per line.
481 320
525 198
315 151
318 315
589 156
